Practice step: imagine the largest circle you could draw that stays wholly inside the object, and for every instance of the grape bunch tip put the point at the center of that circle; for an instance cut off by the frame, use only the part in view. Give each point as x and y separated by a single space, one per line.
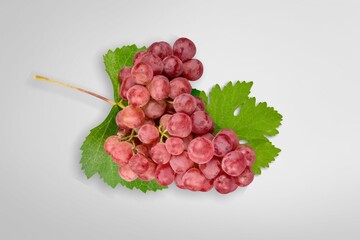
165 132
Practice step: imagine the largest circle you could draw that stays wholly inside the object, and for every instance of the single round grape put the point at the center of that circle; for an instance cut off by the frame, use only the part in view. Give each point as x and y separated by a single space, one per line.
178 86
245 178
180 163
179 125
225 141
173 67
224 184
248 153
164 174
126 84
200 150
131 117
200 105
160 49
142 73
201 122
163 121
159 87
110 143
154 109
121 153
193 179
148 133
178 180
185 103
138 96
159 154
193 69
174 145
126 173
233 163
138 163
125 72
138 57
150 172
211 169
184 49
154 61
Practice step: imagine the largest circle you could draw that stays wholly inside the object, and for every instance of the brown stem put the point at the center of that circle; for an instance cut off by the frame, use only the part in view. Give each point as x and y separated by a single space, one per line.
42 78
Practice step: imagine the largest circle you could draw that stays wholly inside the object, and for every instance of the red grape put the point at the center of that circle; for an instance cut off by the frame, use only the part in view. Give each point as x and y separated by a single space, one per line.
245 178
126 173
138 56
211 169
148 133
224 184
193 179
178 86
138 96
193 69
163 121
164 175
184 49
138 163
159 154
142 73
124 73
200 105
130 117
200 150
181 163
179 125
201 122
225 141
248 153
179 181
185 103
160 49
159 87
154 109
121 153
126 84
154 62
150 172
173 66
233 163
174 145
110 143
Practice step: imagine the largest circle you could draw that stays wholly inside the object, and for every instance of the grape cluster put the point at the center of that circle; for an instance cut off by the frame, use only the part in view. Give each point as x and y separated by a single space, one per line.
165 132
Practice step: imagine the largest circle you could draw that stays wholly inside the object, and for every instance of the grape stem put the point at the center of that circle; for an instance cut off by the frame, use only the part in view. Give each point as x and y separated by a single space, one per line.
42 78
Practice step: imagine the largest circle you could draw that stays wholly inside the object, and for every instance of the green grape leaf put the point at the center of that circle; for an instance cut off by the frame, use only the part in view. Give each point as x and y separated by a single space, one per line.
231 107
94 159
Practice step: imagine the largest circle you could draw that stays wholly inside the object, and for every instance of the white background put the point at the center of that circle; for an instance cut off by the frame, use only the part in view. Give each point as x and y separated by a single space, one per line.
303 57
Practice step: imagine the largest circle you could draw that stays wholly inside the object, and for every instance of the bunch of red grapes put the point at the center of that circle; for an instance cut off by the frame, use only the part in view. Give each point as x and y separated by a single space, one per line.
165 132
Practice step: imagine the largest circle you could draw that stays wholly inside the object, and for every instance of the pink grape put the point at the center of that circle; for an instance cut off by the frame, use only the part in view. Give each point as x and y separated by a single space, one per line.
233 163
121 153
150 172
193 69
124 73
245 178
138 56
180 163
164 175
126 173
179 125
193 179
148 133
174 145
248 153
173 66
201 122
224 184
126 84
154 62
159 154
178 86
160 49
225 141
211 169
154 109
163 121
200 105
159 87
184 49
208 136
138 96
200 150
207 186
138 163
130 117
179 181
142 73
185 103
110 143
